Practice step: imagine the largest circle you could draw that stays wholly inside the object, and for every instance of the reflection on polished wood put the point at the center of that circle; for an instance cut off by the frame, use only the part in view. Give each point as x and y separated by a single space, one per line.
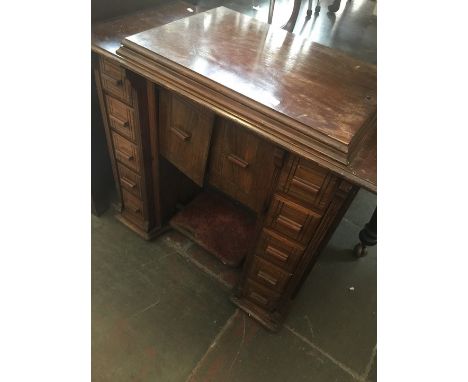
302 95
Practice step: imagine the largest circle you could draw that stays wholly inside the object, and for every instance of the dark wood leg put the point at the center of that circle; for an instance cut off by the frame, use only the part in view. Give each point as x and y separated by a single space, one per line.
270 11
367 236
309 9
289 26
317 8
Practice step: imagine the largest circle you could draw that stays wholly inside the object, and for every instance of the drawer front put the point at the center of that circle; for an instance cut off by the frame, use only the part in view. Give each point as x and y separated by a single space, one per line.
121 118
269 275
307 182
130 181
260 295
119 88
185 134
132 206
126 152
241 164
279 250
111 69
291 219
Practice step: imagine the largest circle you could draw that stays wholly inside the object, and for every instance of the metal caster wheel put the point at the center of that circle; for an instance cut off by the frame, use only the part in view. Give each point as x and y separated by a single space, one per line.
360 250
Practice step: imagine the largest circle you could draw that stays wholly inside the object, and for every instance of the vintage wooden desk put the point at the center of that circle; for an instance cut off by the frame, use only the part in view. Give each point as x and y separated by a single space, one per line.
282 128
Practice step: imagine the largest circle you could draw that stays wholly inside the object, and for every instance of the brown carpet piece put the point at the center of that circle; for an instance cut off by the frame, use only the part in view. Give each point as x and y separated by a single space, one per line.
218 225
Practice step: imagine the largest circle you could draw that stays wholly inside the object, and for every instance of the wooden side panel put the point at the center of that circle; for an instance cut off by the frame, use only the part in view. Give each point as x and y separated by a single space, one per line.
241 164
185 134
107 130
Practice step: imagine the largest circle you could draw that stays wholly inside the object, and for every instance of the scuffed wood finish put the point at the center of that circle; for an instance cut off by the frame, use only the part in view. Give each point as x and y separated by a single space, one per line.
314 91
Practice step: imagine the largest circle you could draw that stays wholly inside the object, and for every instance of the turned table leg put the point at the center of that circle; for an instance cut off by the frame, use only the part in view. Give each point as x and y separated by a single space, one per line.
289 26
309 9
270 11
335 6
367 236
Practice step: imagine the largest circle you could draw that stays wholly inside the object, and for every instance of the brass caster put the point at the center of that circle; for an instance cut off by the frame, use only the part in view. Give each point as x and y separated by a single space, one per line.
360 250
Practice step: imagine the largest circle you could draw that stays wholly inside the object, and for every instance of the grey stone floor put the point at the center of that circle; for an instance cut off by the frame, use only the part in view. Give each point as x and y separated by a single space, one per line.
157 317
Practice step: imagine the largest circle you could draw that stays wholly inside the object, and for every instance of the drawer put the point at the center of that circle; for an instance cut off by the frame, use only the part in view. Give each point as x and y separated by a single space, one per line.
291 219
126 152
279 250
121 117
132 206
260 295
130 181
120 88
241 164
112 69
269 275
307 182
185 134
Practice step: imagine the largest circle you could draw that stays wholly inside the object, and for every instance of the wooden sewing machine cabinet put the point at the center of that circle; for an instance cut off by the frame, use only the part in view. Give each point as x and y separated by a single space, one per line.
218 105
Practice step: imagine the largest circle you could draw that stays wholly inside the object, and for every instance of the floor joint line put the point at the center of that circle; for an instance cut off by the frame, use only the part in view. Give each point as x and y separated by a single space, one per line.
324 353
369 364
213 344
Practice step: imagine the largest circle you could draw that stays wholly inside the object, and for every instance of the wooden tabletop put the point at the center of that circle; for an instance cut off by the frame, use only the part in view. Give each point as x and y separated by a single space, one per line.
325 95
325 91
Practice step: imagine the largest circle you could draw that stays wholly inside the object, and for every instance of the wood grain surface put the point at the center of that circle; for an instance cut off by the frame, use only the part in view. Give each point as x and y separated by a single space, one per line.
327 94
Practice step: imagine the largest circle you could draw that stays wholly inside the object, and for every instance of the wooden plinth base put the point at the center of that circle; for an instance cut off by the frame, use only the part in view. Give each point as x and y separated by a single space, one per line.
262 317
145 235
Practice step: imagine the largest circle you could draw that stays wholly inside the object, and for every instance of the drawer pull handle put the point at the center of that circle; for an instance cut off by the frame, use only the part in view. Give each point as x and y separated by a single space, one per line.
277 253
135 210
128 182
301 183
238 161
289 223
181 134
128 157
268 278
119 82
126 124
259 298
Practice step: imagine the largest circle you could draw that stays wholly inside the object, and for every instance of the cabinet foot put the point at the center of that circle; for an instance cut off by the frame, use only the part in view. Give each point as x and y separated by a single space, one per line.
360 250
140 232
265 318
